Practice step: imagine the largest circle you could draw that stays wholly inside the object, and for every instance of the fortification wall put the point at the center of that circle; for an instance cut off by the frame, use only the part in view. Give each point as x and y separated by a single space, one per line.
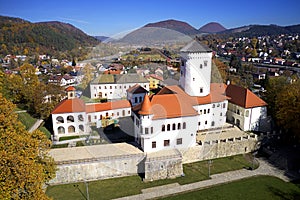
97 169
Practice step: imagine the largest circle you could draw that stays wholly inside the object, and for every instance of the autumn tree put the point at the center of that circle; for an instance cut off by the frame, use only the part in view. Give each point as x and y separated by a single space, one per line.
88 76
288 108
25 164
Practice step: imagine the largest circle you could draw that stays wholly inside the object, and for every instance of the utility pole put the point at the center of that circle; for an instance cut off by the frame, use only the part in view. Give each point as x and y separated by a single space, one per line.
209 165
87 190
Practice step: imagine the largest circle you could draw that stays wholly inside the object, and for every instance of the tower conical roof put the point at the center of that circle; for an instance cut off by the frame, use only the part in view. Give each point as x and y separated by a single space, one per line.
146 106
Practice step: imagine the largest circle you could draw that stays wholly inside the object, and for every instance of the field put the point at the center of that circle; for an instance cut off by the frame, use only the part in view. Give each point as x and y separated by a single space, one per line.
260 187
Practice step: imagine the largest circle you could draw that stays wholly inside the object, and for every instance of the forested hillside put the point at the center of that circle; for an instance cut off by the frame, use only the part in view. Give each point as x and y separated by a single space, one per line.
18 36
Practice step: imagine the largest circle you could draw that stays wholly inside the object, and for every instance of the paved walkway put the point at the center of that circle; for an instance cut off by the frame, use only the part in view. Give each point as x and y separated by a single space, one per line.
36 125
264 169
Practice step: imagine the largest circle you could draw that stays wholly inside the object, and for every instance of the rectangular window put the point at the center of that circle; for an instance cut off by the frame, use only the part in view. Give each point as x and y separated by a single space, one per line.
200 66
224 104
166 143
205 63
205 122
213 106
184 125
208 110
151 130
201 90
204 111
146 130
110 87
193 79
141 130
153 145
179 141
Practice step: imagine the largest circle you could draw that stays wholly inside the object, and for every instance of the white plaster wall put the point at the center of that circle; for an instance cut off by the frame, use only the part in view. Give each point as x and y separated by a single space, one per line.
196 77
188 135
113 91
66 124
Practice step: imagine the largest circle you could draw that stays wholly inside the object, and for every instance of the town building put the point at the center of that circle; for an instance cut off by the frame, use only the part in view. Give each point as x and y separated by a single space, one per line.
114 86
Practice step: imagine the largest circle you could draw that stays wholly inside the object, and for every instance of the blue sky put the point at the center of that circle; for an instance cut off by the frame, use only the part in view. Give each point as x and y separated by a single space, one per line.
112 17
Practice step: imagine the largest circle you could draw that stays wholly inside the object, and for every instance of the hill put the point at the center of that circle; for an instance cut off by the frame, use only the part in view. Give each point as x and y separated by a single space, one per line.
259 30
160 33
18 36
212 27
179 26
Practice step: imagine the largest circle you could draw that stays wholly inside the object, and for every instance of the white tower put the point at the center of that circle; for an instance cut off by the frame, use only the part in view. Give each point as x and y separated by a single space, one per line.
196 69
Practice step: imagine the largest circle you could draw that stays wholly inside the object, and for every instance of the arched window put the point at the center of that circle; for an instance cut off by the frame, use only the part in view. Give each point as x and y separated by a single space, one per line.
80 118
70 118
59 120
61 130
81 128
238 111
135 99
141 99
212 123
163 128
184 125
71 129
168 127
247 113
173 126
178 126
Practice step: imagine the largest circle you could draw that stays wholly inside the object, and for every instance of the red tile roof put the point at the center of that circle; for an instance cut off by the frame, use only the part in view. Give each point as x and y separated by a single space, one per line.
146 106
70 88
78 105
69 106
98 107
173 102
243 97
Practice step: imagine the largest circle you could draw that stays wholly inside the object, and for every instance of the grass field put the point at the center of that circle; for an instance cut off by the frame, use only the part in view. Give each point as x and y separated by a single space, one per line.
258 188
119 187
26 119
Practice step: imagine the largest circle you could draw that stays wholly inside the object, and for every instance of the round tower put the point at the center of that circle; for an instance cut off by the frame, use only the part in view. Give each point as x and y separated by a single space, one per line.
145 112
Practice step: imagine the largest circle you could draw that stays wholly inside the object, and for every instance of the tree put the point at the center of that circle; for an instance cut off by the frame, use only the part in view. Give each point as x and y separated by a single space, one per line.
88 76
25 164
274 87
288 108
45 98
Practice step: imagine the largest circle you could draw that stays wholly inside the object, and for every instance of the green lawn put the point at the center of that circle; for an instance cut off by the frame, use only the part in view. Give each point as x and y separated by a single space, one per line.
260 187
118 187
26 119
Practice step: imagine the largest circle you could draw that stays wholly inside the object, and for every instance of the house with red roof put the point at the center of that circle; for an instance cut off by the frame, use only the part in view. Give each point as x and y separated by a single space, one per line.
72 116
245 109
